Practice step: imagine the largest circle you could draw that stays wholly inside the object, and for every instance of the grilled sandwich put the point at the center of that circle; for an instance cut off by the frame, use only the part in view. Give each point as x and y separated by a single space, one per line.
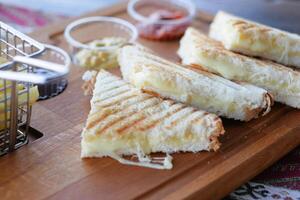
194 87
202 52
255 39
125 121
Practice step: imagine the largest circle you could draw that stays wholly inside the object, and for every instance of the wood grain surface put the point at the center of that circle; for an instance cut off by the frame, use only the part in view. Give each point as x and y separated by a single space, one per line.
51 167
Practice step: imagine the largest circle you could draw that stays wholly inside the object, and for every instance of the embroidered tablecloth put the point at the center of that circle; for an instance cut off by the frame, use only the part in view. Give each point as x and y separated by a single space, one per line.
280 181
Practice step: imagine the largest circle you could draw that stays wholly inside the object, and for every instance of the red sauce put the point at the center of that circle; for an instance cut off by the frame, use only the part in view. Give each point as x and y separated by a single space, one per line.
153 31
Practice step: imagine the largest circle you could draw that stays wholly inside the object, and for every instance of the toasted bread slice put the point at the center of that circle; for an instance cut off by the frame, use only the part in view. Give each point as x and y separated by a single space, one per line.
125 121
198 88
255 39
89 78
200 51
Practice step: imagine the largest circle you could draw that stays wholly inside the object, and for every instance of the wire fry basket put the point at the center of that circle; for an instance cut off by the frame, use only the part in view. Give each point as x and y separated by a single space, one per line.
18 76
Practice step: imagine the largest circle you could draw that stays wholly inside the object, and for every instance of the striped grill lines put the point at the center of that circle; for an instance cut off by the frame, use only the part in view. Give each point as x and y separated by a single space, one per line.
184 113
131 124
124 115
110 94
138 117
167 114
122 108
118 101
245 26
237 23
115 97
135 123
198 116
128 105
154 119
98 118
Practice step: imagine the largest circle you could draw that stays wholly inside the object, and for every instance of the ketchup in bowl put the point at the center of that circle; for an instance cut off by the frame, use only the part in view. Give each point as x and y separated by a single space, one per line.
161 20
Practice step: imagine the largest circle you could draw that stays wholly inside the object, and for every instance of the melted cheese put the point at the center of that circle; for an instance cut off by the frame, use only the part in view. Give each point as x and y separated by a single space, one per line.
227 106
170 89
140 145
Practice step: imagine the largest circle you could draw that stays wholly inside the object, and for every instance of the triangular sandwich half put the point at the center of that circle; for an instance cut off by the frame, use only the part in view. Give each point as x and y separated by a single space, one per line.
125 121
201 89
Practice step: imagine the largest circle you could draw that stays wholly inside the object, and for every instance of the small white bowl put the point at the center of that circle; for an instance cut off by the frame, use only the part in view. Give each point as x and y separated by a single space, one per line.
83 31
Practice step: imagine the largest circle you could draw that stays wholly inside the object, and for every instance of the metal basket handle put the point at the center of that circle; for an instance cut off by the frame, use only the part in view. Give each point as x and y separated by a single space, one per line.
36 78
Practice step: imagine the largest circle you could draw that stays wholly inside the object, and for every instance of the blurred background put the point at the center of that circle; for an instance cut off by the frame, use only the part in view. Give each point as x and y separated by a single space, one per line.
29 14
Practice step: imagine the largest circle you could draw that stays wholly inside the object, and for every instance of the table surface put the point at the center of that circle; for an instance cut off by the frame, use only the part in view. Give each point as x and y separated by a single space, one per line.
51 167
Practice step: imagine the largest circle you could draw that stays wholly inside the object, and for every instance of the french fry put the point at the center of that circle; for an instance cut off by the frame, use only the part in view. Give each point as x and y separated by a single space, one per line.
22 99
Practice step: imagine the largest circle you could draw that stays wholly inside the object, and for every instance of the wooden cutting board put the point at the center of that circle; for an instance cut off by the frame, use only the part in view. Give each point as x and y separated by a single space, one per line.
51 167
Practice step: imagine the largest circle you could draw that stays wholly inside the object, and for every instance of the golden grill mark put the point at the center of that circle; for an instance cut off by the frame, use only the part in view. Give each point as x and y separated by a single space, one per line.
175 122
98 106
264 30
117 101
123 117
123 128
155 94
105 115
238 22
112 96
97 120
197 120
154 122
136 122
247 26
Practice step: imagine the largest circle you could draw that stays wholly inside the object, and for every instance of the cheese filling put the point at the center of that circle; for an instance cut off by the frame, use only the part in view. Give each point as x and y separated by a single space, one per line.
141 145
197 100
226 105
147 161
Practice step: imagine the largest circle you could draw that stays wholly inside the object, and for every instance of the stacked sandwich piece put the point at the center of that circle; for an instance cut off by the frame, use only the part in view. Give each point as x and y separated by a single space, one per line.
197 88
234 39
164 107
